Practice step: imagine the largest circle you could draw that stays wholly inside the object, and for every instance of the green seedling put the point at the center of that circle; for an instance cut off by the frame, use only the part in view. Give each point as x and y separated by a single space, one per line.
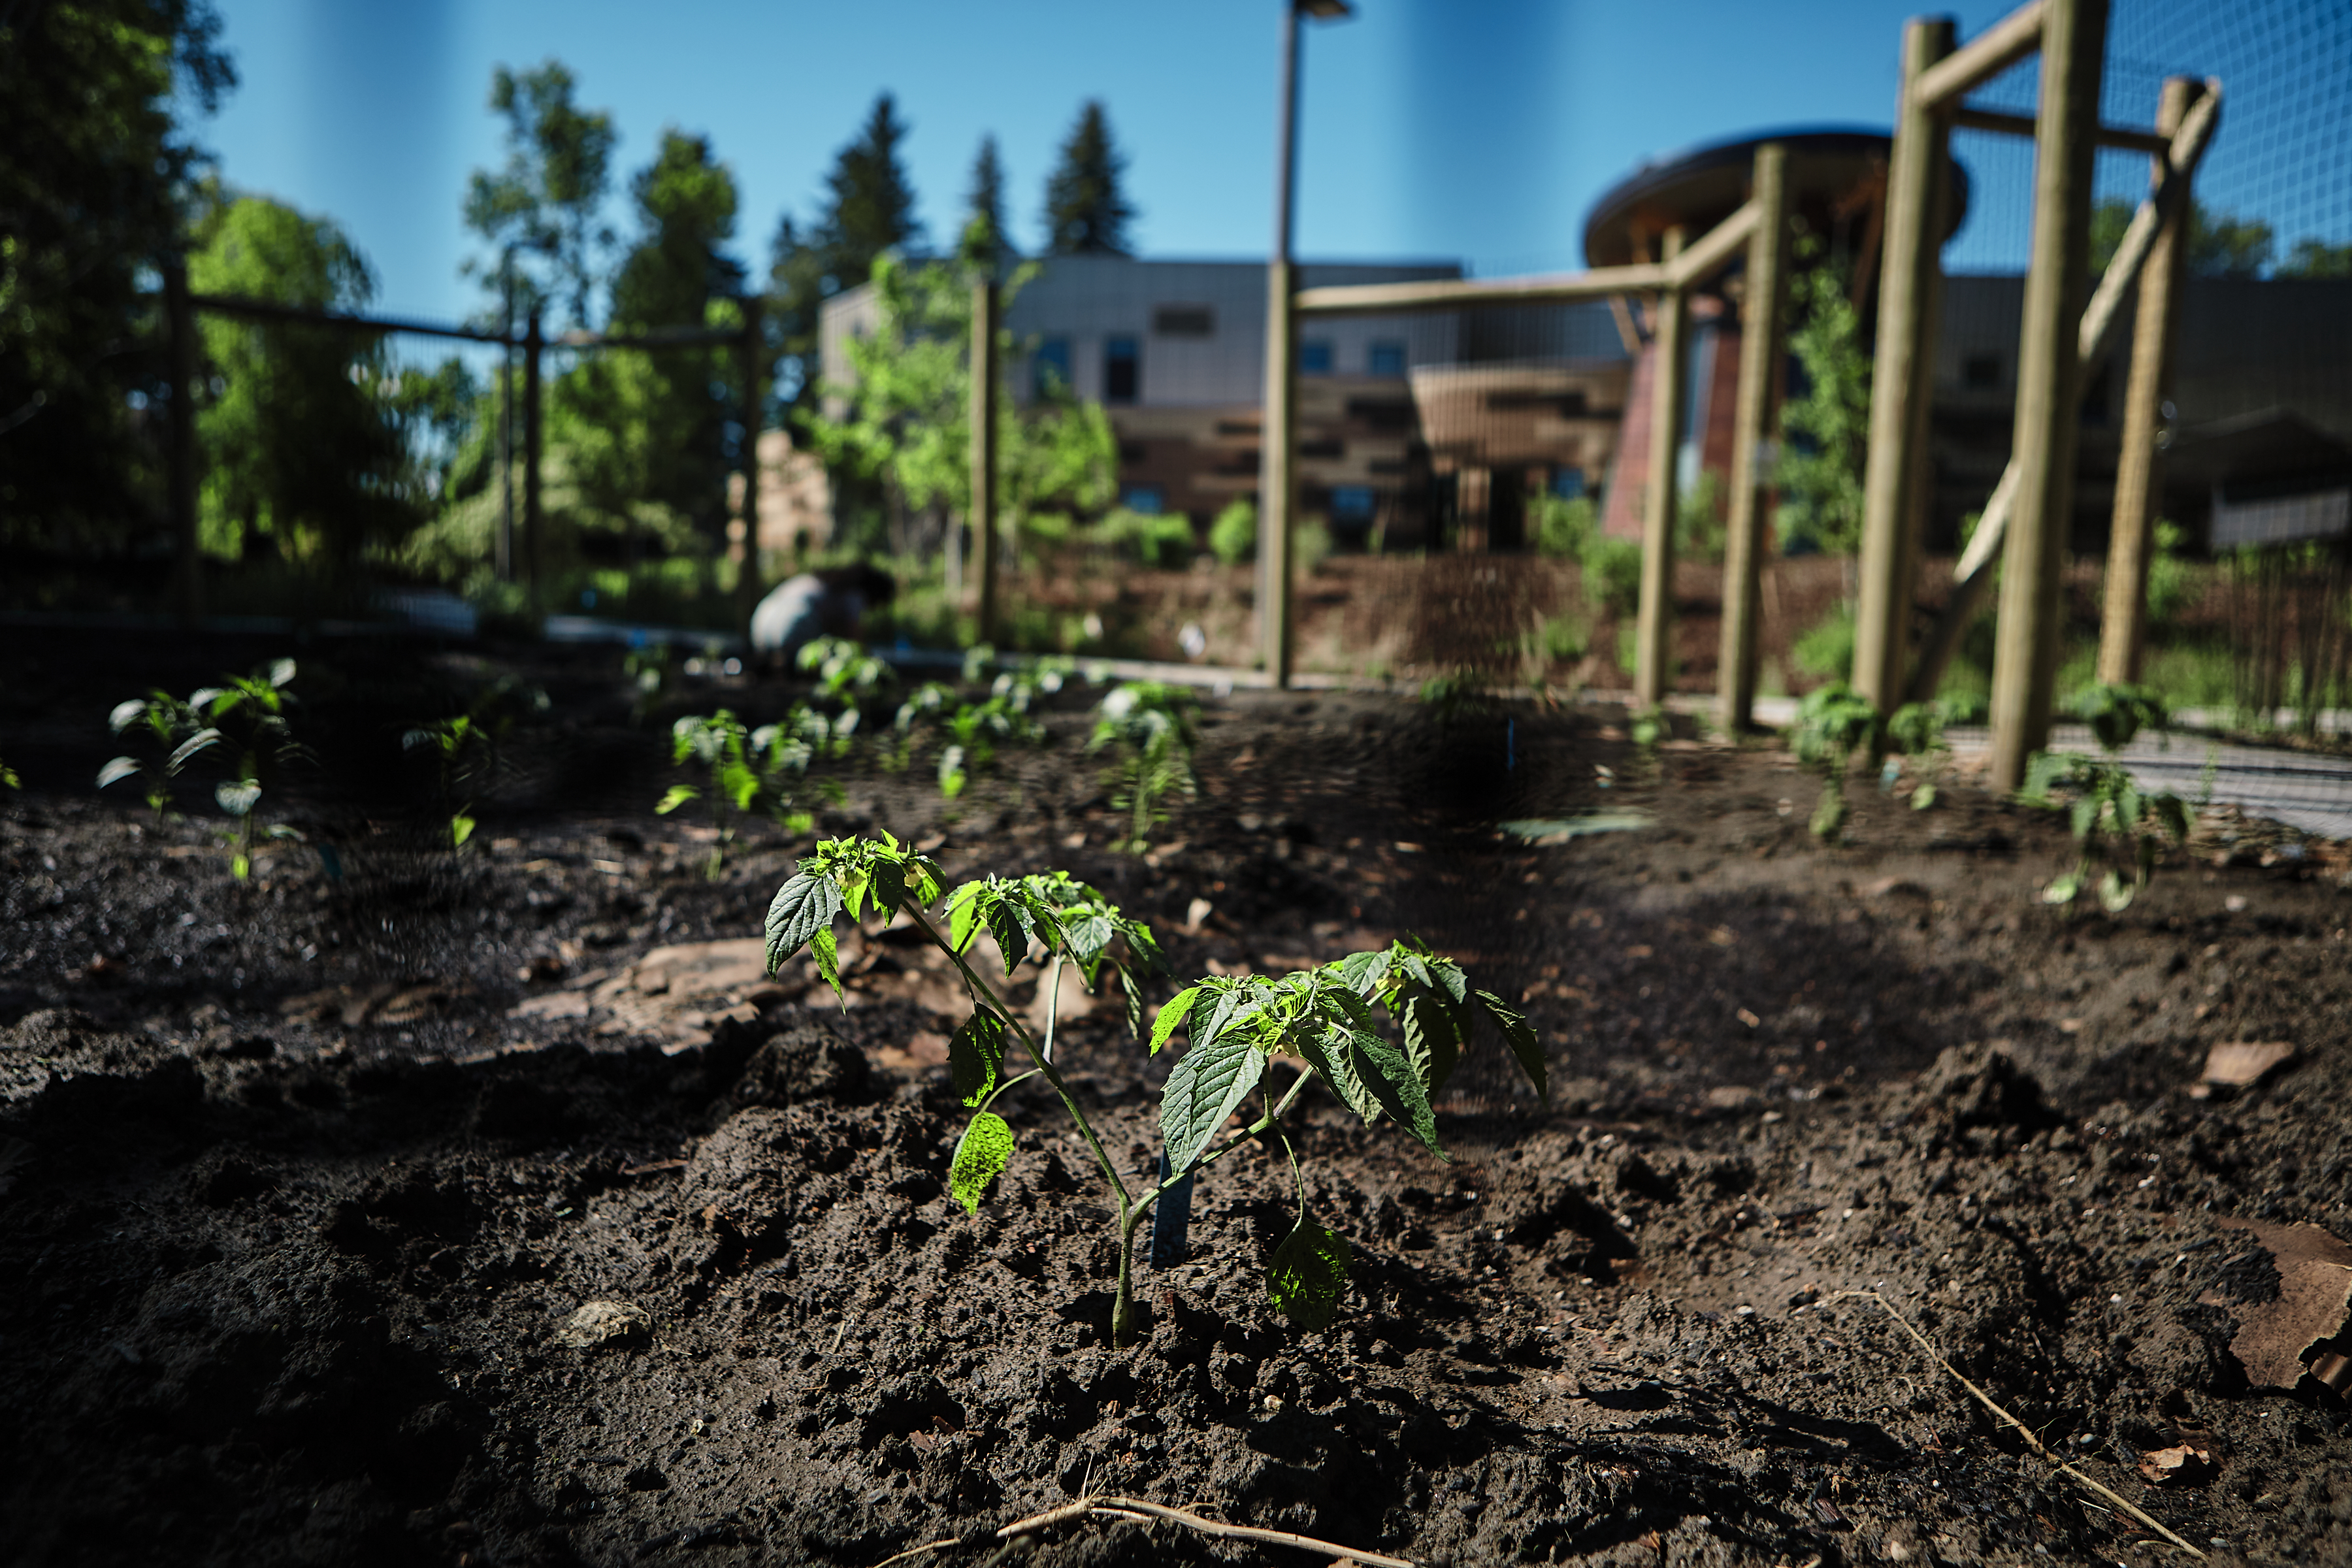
1152 725
174 734
2119 829
466 748
1916 730
1326 1022
1454 697
846 675
650 669
249 714
1834 723
720 744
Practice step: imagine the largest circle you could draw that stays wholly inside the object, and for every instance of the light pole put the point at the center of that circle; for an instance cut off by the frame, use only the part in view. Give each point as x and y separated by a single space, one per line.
1279 435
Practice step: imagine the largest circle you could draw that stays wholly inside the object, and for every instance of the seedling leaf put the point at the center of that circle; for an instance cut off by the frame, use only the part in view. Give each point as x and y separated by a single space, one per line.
980 1156
1206 1086
237 797
1173 1015
1308 1275
1388 1073
803 906
461 827
118 770
189 748
675 796
976 1056
1521 1038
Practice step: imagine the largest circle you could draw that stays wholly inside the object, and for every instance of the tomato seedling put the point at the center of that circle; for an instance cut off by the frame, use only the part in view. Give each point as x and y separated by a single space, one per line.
1152 725
2119 829
747 768
1833 721
1328 1021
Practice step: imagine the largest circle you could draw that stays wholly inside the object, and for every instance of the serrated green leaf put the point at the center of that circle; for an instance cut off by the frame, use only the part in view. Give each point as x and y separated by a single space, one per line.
1329 1054
888 886
1132 990
1363 973
1431 1042
2084 816
189 748
1085 934
1308 1275
461 827
976 1056
1172 1016
674 797
803 906
922 880
827 959
1004 923
2128 807
126 714
237 797
1923 797
962 917
980 1156
1388 1072
1520 1036
2062 891
1208 1083
741 784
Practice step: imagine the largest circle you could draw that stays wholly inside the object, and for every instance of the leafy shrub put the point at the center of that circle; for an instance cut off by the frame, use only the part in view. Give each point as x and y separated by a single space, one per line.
1233 536
2118 828
1560 527
1612 575
1148 538
2171 579
1916 730
1826 649
1310 546
1328 1019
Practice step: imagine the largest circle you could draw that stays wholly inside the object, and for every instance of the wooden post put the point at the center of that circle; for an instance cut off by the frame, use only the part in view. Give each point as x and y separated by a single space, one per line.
1655 634
2049 387
1900 382
180 318
2123 625
503 551
534 546
749 585
983 510
1759 362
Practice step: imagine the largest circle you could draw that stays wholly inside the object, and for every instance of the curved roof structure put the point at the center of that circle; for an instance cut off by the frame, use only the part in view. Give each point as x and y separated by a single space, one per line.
1834 172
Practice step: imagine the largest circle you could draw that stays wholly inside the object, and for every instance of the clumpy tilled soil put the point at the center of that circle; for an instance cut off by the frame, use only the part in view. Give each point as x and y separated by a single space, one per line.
394 1219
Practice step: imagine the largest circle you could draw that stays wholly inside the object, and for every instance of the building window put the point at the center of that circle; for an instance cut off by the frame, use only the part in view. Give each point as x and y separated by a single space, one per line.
1183 321
1049 367
1567 483
1149 499
1122 369
1315 357
1352 505
1385 359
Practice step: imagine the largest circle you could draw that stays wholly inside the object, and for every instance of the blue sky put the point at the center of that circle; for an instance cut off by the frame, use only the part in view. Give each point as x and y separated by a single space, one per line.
1473 130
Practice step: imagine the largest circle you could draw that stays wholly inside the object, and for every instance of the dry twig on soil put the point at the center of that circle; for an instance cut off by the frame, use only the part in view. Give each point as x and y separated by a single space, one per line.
2031 1440
1135 1510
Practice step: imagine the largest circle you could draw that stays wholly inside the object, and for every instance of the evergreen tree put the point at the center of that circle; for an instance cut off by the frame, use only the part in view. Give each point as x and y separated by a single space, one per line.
544 203
869 210
1085 214
985 240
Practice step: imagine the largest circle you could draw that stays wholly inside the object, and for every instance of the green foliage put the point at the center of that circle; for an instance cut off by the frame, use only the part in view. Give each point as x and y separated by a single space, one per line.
1148 538
2220 245
303 451
1827 428
1233 535
1086 213
1332 1020
2118 830
1454 697
2316 258
1833 721
982 242
543 205
972 730
246 715
2171 579
1152 726
1612 575
746 770
1699 525
1561 527
847 678
92 191
1916 730
1826 649
465 747
2117 712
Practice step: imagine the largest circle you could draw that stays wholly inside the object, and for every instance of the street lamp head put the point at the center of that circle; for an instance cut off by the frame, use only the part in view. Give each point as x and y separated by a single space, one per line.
1324 10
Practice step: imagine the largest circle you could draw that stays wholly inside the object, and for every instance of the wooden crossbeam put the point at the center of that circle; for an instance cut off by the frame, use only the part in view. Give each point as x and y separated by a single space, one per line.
1982 58
2153 142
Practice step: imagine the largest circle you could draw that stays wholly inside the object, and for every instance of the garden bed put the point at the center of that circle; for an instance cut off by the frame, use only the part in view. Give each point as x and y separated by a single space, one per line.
312 1182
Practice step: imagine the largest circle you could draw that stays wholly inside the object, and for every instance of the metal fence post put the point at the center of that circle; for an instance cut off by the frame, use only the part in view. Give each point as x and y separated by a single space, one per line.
180 323
1759 362
1902 378
534 546
2123 624
2049 387
1655 634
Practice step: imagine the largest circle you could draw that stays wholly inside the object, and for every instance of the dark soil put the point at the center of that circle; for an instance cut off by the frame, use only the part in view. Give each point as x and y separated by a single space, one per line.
303 1182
